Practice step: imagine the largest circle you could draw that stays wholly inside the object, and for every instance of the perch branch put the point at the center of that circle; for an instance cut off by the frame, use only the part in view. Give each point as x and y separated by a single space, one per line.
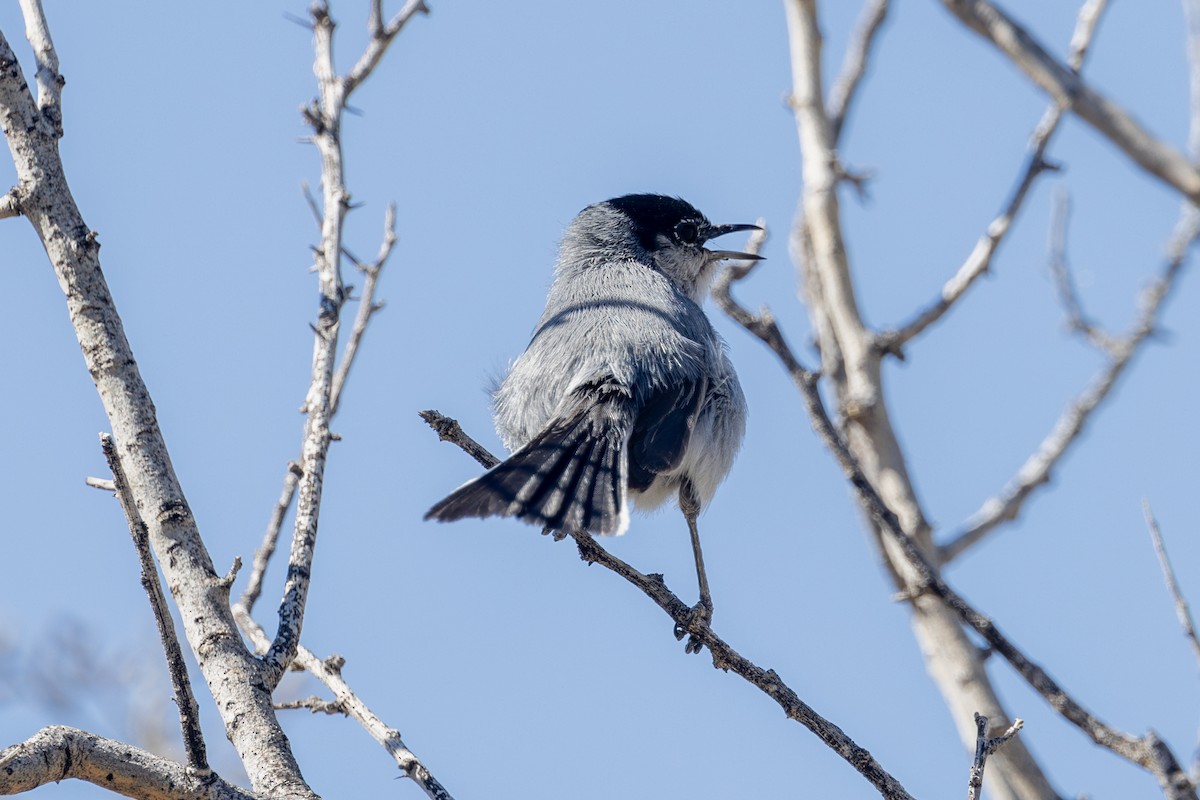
724 657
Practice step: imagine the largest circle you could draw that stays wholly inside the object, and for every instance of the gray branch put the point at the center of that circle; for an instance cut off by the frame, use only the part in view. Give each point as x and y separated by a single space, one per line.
1182 611
1038 468
189 712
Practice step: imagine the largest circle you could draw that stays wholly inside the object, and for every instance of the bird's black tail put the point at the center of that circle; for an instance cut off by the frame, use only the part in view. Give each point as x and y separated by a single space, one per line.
572 475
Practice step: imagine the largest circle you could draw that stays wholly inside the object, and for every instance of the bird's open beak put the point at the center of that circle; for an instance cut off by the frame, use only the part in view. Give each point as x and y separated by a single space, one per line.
720 230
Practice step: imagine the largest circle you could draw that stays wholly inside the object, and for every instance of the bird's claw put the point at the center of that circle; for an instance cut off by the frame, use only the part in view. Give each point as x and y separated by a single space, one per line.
698 621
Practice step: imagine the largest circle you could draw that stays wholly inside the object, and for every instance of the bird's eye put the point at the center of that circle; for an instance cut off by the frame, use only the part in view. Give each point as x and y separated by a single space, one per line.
687 232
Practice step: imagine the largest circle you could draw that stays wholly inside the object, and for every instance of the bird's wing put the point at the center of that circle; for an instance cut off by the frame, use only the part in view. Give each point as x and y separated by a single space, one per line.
570 476
662 430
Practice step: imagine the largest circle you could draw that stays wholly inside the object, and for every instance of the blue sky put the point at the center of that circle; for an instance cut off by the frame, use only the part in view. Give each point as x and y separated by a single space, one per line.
510 667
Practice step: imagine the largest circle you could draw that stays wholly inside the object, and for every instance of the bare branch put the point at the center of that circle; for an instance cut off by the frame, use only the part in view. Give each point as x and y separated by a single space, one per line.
262 556
189 712
1148 751
984 747
724 657
104 484
381 37
854 67
366 307
56 753
1038 468
314 704
980 259
329 673
1068 89
10 205
1064 283
1181 606
235 675
49 81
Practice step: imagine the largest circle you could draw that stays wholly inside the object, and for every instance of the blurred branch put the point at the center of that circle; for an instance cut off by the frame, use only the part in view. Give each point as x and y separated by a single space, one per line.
56 753
1064 283
189 712
854 67
1068 89
1181 606
980 259
851 358
1147 751
724 657
984 747
1038 468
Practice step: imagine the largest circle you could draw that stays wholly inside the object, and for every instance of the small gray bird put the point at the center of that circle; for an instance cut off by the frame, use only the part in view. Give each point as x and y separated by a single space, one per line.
625 389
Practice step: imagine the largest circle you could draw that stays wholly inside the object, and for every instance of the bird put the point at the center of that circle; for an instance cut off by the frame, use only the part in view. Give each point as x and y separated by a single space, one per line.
626 391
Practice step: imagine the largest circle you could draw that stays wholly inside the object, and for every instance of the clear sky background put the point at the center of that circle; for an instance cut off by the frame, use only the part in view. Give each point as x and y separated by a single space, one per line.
511 668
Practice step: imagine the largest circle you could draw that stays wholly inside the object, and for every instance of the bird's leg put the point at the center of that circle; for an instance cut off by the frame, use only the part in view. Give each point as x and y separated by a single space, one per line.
701 614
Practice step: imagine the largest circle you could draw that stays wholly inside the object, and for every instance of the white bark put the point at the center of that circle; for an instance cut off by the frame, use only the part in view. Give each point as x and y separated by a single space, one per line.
952 659
233 674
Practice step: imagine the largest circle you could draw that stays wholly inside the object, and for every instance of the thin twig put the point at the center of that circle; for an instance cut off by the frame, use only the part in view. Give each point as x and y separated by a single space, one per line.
984 747
381 38
367 306
314 704
1064 282
329 672
104 484
1181 606
262 556
1067 88
980 259
854 67
189 711
1038 468
724 657
1147 751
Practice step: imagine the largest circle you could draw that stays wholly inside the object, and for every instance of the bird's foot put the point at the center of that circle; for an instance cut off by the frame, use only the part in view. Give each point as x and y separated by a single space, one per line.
698 621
